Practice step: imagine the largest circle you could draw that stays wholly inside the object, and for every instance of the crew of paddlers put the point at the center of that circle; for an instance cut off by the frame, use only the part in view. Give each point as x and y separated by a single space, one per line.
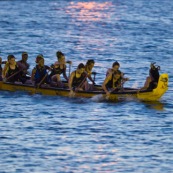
17 71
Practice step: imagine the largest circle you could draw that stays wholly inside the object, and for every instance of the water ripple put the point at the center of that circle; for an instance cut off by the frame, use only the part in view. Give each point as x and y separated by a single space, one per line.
57 134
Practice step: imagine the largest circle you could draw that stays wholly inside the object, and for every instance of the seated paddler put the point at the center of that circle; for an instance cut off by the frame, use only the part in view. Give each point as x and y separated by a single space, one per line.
40 72
115 68
11 72
112 82
78 79
23 64
152 80
58 68
88 68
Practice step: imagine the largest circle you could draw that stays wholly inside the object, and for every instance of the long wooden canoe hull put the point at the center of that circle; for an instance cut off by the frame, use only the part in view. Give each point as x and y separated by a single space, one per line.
147 95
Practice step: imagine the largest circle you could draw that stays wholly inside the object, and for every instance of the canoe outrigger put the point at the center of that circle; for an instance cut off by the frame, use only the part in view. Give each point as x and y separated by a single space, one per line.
145 95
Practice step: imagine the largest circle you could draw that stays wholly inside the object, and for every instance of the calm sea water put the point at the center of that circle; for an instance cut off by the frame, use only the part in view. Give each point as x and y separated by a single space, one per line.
56 134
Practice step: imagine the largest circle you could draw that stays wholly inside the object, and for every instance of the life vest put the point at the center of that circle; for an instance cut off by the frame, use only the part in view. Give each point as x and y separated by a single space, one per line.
77 81
113 84
12 71
40 73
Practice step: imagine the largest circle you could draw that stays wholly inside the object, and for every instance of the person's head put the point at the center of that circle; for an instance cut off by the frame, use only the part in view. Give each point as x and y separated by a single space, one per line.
90 63
117 75
81 68
24 56
11 59
0 60
115 66
38 58
41 62
60 56
154 72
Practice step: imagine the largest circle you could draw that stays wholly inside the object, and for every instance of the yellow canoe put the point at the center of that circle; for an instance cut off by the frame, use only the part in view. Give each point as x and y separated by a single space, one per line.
146 95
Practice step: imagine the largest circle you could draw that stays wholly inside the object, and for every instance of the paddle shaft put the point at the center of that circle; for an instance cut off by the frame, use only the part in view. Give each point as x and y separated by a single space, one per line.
73 93
94 77
117 87
38 86
69 70
13 75
94 73
85 80
82 82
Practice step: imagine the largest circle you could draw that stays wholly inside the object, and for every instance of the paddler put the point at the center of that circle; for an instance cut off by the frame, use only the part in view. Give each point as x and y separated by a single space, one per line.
58 68
78 80
40 72
22 64
112 82
115 67
11 72
152 80
88 68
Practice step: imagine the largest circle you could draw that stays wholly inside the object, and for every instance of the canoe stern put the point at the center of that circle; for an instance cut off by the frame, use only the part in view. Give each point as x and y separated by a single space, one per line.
156 93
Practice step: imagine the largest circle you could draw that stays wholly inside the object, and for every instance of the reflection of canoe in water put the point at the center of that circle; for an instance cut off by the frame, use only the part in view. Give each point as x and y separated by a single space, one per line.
146 95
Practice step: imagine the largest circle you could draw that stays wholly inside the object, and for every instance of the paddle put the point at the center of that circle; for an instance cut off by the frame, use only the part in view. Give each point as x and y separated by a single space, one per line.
12 76
81 83
69 62
94 73
94 78
121 88
38 86
72 93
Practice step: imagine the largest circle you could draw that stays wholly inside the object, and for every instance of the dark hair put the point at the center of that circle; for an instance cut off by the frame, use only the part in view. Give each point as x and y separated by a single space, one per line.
81 65
59 54
115 63
38 58
10 57
24 53
90 61
154 71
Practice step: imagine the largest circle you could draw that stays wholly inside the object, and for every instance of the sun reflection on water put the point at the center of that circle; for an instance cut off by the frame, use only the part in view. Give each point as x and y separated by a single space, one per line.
89 11
89 156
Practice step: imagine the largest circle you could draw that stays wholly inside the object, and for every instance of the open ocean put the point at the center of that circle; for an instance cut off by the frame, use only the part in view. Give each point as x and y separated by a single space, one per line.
44 134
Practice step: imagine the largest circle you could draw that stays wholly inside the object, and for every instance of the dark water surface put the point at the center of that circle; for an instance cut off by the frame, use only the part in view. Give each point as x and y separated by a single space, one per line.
56 134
